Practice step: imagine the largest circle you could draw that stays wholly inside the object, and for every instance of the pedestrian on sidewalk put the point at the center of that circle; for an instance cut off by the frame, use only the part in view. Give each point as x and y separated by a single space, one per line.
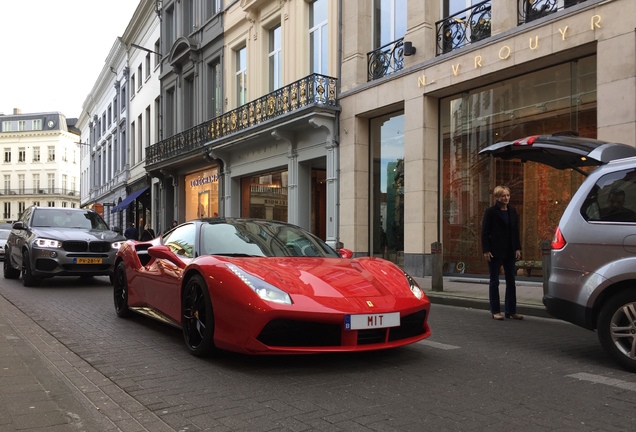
501 246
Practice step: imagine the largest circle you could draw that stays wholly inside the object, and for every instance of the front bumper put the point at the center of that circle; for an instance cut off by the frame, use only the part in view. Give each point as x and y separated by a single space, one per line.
58 262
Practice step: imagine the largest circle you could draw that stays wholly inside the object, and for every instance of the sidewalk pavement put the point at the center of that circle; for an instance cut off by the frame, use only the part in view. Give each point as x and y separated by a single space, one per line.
472 292
45 386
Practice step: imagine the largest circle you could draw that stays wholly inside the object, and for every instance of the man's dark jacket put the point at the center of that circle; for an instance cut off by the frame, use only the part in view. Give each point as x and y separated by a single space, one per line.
497 237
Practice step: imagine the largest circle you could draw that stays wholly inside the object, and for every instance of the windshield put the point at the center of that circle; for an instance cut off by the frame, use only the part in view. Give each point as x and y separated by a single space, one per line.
4 234
59 218
261 238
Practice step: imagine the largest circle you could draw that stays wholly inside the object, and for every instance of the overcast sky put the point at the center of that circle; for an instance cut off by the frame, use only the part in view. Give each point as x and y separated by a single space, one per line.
53 51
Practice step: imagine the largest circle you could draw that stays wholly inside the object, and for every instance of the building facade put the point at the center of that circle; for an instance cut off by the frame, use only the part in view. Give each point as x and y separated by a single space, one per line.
426 85
250 118
40 162
119 120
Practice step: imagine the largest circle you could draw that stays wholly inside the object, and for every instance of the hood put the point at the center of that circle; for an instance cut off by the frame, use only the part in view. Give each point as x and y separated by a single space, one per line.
81 234
560 151
330 277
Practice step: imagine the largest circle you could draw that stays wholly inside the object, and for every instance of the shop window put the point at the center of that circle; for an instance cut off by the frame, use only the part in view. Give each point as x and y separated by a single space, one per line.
555 99
387 192
264 196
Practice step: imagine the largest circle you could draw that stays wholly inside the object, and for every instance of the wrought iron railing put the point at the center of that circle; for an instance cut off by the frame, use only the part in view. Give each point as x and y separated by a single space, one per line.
312 90
530 10
385 60
466 26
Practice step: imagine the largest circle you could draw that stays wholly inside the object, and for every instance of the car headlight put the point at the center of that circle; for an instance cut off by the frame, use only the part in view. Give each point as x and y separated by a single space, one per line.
415 288
117 245
47 243
264 290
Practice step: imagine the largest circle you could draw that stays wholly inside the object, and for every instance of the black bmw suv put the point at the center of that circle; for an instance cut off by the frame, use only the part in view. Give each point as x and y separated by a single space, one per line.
59 241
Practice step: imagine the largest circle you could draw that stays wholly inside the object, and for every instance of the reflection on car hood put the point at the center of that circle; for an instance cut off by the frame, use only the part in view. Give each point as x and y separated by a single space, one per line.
82 234
329 277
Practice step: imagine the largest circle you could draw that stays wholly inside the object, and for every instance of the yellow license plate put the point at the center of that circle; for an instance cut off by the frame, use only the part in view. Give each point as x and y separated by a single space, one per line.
88 260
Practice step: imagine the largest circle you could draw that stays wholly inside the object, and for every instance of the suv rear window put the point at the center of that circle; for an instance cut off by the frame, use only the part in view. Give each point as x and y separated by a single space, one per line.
613 198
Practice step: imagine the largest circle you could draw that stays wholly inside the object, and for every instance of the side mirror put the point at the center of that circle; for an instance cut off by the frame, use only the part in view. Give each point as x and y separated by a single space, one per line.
345 253
164 252
19 225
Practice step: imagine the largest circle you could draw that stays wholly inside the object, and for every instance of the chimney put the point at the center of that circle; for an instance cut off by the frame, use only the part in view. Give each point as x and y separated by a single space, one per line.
17 111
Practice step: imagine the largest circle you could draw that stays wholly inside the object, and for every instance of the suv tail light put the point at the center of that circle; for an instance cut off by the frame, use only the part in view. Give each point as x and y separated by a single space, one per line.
558 241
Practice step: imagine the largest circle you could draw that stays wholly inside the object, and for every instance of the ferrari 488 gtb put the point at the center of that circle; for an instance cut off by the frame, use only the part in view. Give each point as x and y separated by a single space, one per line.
266 287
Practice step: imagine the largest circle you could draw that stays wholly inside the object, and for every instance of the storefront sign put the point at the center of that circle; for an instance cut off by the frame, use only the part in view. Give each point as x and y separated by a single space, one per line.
204 180
505 51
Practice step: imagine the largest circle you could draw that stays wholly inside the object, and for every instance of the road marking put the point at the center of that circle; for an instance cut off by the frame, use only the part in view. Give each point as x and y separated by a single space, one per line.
626 385
438 345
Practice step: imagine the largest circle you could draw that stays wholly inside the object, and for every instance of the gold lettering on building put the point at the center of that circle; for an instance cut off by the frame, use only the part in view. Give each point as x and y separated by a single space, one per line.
504 52
536 43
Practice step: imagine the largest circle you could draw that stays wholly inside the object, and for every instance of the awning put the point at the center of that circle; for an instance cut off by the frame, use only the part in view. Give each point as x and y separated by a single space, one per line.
130 198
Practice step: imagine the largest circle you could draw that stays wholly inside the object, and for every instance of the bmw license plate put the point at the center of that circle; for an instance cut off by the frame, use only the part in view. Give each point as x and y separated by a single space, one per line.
371 321
87 260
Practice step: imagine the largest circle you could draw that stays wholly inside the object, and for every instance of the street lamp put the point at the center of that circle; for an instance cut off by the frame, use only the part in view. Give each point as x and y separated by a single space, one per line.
145 49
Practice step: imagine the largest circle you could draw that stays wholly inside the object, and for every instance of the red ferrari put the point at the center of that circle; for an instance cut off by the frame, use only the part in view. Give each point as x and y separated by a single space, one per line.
266 287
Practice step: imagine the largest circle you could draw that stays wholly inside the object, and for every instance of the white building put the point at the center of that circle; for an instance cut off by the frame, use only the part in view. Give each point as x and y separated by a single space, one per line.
119 120
40 162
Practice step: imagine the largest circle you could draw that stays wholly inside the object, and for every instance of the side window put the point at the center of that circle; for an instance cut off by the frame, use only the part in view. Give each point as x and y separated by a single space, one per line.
181 240
613 198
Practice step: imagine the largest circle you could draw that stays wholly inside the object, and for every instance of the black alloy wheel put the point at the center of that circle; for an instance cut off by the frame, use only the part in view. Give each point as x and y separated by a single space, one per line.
617 328
9 272
120 291
197 317
28 280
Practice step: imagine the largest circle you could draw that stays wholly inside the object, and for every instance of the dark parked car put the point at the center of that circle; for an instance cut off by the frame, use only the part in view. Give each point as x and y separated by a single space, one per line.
592 279
59 241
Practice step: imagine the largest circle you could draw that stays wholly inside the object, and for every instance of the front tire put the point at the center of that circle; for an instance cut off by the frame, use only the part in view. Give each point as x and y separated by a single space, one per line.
9 272
197 317
28 280
617 328
120 291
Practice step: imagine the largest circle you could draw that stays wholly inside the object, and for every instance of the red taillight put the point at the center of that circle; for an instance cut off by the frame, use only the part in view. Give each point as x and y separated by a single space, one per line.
525 141
558 241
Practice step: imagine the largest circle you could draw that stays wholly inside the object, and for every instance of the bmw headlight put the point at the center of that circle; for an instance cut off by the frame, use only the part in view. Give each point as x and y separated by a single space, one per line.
47 243
264 290
415 288
117 245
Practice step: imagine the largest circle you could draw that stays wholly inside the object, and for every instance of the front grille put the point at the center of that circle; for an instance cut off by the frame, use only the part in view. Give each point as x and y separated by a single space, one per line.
372 336
283 332
410 326
83 246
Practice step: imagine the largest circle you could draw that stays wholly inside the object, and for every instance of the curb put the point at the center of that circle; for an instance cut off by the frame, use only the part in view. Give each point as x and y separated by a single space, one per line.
478 303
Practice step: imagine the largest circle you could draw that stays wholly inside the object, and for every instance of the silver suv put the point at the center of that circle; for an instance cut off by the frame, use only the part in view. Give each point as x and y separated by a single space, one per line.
59 241
592 280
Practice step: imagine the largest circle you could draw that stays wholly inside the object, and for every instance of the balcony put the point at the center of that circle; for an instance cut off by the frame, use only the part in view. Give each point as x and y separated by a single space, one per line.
385 60
312 91
530 10
465 27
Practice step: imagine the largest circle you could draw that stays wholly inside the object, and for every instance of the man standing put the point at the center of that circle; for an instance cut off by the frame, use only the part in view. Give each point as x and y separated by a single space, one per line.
131 232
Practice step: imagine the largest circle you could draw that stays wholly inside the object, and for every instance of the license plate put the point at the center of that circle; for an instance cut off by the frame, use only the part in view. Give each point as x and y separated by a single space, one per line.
87 261
371 321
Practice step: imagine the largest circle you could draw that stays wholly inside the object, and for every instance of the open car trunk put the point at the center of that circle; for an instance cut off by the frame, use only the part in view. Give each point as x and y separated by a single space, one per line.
560 151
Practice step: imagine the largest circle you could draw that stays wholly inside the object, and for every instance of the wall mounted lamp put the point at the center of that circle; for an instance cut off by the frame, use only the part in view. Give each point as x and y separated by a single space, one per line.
409 49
